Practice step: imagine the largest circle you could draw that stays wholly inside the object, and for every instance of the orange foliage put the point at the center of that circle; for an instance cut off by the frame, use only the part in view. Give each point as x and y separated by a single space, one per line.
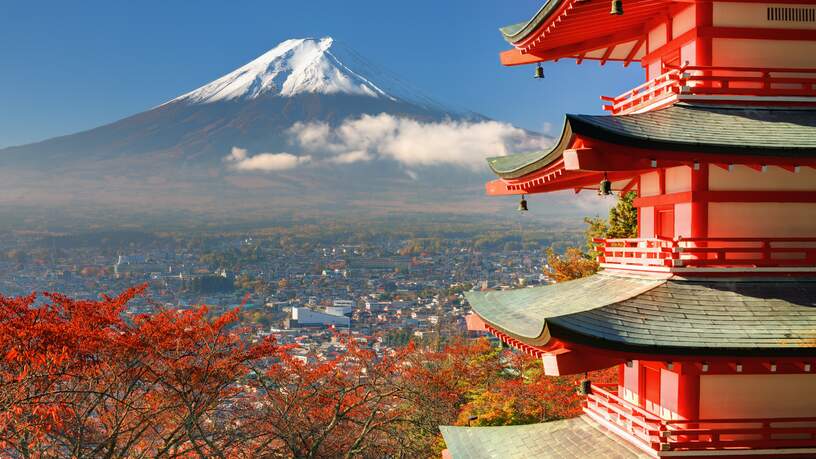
572 265
76 379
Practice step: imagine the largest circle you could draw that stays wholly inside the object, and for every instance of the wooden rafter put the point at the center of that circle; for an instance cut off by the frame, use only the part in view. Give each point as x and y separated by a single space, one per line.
633 52
606 54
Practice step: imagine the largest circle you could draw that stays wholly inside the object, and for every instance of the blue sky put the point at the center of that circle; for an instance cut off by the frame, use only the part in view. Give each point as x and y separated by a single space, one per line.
70 66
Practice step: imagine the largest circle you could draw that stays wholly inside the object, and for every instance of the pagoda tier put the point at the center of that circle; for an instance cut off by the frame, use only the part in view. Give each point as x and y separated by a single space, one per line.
710 312
745 52
706 366
605 319
702 174
680 135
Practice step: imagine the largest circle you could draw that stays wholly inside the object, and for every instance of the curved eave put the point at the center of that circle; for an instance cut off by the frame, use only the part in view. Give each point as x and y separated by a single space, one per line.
515 33
520 164
652 317
618 348
524 313
738 131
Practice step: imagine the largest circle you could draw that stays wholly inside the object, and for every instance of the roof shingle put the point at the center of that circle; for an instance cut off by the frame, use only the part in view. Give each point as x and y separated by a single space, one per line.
787 132
674 316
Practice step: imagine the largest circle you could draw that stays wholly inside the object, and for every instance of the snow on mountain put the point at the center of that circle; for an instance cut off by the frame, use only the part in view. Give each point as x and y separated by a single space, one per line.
295 66
338 124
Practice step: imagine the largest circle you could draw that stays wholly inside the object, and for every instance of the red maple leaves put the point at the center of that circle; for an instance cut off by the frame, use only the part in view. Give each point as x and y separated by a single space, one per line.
78 379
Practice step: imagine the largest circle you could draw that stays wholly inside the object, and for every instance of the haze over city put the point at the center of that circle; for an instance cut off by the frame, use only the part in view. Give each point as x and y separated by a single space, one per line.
462 229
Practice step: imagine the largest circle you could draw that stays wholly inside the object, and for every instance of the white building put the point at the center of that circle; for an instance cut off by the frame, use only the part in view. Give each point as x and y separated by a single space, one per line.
305 317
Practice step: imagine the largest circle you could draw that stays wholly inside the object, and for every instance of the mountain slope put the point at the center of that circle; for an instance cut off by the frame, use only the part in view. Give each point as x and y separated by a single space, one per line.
175 153
296 66
298 80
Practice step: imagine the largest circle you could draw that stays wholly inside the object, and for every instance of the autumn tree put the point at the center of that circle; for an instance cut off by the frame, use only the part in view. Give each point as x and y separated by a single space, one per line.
77 380
577 263
81 378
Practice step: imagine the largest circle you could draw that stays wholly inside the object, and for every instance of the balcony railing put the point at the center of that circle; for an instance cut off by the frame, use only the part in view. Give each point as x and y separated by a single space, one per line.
774 254
720 83
649 431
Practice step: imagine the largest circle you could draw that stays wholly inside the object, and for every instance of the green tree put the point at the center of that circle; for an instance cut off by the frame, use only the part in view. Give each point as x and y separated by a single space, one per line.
574 264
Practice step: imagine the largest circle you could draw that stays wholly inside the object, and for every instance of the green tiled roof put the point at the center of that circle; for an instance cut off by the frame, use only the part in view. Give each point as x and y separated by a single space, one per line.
524 312
708 129
675 316
516 32
576 438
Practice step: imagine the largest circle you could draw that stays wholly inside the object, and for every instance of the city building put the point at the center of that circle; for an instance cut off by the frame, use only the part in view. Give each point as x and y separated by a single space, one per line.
340 308
710 313
306 317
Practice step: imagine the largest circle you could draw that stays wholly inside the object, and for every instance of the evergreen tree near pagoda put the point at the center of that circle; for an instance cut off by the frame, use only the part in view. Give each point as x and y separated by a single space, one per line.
575 263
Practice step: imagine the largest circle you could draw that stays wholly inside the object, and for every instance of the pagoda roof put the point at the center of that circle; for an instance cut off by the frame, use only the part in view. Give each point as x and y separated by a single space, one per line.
648 315
582 30
515 33
567 438
742 131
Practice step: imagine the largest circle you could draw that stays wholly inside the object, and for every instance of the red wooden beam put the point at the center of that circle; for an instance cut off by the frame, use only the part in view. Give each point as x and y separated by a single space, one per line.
628 187
725 196
631 55
602 160
758 33
789 167
515 56
606 54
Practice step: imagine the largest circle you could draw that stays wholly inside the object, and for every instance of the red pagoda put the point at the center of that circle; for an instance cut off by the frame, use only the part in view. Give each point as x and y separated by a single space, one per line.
710 313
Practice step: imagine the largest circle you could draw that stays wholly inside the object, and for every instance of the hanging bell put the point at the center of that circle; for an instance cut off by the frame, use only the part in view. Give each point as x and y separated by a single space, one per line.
605 188
539 72
617 7
522 207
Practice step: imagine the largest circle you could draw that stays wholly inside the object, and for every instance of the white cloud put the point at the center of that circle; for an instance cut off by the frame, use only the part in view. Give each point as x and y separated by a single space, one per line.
239 160
407 141
351 157
309 135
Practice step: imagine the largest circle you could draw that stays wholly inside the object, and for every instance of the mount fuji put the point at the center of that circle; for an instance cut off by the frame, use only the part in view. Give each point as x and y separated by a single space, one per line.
310 122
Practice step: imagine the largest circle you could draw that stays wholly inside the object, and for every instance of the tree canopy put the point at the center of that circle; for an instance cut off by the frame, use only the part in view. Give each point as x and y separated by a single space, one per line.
78 380
576 263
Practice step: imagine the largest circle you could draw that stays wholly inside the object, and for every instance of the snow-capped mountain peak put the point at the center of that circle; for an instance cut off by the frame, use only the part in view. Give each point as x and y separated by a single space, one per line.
295 66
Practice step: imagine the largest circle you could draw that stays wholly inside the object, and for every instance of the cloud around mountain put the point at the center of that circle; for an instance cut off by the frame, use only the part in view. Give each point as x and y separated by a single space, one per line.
264 161
410 142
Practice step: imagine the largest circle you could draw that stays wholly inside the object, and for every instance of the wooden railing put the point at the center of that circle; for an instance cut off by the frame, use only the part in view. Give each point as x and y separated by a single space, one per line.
715 81
648 93
726 252
643 427
653 432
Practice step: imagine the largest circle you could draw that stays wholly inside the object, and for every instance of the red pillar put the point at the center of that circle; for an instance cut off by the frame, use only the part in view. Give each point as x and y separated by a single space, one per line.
699 209
688 395
704 19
